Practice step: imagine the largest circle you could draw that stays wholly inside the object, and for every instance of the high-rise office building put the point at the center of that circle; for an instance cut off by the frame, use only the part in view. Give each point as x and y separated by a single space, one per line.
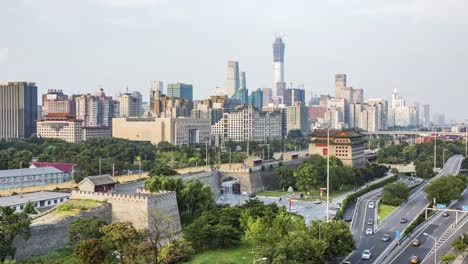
233 78
55 101
279 84
130 104
243 81
438 119
294 95
156 89
18 109
425 116
256 98
95 110
267 96
297 116
242 96
358 95
180 90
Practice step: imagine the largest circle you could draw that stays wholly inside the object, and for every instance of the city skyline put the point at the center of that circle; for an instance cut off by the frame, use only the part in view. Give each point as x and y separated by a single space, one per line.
81 55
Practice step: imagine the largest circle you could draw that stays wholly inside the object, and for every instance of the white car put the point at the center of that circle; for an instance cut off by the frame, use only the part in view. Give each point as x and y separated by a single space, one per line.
369 232
366 254
371 205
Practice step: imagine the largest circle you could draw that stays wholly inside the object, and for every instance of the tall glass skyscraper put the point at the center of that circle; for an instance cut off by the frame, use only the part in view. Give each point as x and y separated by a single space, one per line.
18 109
233 78
180 90
278 67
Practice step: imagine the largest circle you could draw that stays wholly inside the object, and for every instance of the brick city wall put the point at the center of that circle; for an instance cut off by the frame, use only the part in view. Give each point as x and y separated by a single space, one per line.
49 236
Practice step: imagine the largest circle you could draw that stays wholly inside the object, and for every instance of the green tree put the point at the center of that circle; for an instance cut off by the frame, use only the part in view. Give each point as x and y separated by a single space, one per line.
177 251
446 189
29 208
461 244
123 238
197 196
395 193
339 239
12 224
164 183
424 169
87 228
90 251
162 169
447 258
285 177
296 133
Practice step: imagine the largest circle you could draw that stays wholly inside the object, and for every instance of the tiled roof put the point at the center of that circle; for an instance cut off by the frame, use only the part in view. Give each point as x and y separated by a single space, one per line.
346 133
65 167
99 180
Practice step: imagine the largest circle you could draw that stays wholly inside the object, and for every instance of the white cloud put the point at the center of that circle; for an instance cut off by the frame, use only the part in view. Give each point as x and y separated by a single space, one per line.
129 3
3 55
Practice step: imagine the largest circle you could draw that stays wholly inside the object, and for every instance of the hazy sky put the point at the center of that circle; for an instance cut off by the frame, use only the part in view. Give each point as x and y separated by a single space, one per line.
419 47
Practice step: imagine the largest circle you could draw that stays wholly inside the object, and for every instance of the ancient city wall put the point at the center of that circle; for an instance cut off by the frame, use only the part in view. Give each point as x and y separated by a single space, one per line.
209 178
50 236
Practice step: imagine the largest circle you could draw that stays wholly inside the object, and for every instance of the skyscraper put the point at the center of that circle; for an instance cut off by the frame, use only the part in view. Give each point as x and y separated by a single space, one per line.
243 81
156 89
130 104
18 109
180 90
54 101
294 95
95 110
278 68
267 96
256 99
233 79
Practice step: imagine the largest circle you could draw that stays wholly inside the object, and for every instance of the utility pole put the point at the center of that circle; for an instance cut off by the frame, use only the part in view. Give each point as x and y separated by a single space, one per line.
466 141
435 152
206 155
328 173
99 165
21 175
113 170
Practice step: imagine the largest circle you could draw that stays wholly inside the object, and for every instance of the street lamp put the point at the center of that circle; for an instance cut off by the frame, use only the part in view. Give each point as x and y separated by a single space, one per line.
320 234
435 246
435 152
443 157
261 259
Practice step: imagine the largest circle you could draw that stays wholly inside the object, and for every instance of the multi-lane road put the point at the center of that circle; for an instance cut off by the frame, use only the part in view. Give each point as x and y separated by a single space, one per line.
410 210
439 227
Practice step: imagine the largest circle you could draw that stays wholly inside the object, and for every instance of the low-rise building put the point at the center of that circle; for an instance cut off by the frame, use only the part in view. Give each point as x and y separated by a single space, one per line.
39 199
177 131
99 183
347 145
17 178
96 132
63 126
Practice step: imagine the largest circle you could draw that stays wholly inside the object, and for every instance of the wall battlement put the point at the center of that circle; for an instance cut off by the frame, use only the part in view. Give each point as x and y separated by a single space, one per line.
75 194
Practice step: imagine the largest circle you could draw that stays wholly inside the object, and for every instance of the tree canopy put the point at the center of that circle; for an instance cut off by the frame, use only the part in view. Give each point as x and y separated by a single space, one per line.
446 188
12 224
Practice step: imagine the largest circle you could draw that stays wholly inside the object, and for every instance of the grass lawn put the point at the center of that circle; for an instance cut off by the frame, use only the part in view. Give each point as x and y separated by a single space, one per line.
276 193
237 255
385 210
61 255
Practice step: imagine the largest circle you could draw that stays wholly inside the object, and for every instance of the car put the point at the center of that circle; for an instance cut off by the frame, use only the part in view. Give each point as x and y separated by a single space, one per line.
369 232
414 260
371 205
403 220
252 195
317 202
293 210
347 262
386 238
459 209
370 221
338 206
366 254
445 214
348 219
416 243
